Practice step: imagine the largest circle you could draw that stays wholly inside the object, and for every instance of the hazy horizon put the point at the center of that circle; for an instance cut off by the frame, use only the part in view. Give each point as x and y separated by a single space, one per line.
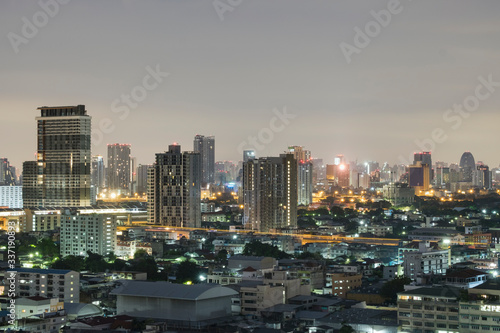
225 77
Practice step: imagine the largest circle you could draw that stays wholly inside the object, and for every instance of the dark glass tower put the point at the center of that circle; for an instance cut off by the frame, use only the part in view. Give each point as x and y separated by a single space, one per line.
62 170
205 145
467 166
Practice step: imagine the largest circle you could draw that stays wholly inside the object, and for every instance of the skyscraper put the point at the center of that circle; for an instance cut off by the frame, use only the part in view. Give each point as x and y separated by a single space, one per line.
98 177
304 174
205 146
426 160
61 175
174 193
419 177
467 166
270 193
304 182
118 168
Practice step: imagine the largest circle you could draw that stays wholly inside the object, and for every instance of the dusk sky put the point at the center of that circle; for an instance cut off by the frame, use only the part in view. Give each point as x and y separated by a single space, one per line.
226 76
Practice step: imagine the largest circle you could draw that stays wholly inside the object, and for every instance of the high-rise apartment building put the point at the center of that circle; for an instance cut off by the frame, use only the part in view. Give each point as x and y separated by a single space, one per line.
174 195
304 182
11 196
304 174
60 177
205 146
118 168
270 193
98 176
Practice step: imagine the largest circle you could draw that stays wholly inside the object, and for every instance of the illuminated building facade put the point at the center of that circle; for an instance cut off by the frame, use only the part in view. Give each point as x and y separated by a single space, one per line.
87 232
270 193
119 168
61 175
174 196
419 177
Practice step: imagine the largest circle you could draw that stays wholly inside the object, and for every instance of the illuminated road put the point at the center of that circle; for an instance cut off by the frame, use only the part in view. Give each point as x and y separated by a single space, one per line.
305 238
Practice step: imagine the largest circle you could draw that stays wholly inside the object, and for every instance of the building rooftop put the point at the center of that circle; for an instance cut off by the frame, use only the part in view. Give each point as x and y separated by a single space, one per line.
163 289
363 316
442 291
465 273
493 284
40 271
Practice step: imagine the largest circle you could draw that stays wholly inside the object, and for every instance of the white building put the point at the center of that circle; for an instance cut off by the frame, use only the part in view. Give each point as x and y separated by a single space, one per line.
425 261
11 196
87 232
50 283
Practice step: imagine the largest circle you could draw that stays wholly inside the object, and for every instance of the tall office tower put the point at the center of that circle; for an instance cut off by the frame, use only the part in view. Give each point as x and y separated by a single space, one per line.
97 175
481 176
205 146
419 177
467 166
61 175
426 159
7 173
118 168
305 183
270 193
248 155
142 178
174 196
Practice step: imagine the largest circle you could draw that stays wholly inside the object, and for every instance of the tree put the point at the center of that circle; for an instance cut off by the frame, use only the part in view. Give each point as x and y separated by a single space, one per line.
187 271
390 289
95 262
222 255
256 248
309 255
141 254
73 263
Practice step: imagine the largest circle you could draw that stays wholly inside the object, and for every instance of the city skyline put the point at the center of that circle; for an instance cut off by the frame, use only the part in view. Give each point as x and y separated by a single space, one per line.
230 77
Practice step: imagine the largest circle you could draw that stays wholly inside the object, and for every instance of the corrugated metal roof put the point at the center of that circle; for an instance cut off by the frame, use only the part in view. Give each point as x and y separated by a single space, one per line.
163 289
